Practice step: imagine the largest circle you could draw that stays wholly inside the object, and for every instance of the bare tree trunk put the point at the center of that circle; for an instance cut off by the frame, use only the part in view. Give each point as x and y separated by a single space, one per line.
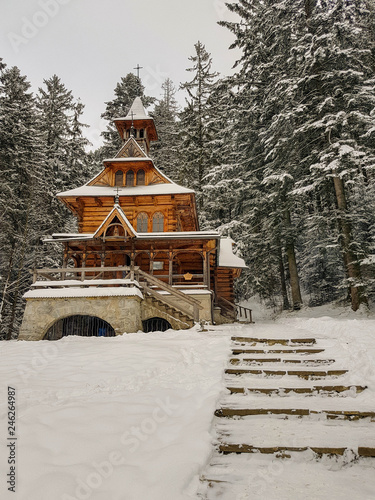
292 265
284 291
353 270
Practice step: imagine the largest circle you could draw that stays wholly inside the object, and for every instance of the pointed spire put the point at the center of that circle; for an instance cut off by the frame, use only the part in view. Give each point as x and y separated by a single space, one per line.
137 111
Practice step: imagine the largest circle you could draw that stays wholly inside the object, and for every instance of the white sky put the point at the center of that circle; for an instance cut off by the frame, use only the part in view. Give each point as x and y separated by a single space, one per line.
91 44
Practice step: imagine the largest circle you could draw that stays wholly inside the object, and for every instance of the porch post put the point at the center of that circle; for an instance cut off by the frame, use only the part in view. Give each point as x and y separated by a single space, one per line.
170 268
204 267
84 262
65 261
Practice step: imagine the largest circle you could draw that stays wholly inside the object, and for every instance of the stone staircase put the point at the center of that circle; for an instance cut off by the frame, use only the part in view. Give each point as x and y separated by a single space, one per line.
285 397
183 311
170 311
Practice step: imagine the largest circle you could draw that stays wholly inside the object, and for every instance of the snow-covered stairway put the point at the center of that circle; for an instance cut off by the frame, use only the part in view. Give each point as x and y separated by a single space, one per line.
285 398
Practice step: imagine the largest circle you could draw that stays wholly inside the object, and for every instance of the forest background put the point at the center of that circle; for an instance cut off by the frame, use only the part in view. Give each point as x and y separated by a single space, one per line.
281 155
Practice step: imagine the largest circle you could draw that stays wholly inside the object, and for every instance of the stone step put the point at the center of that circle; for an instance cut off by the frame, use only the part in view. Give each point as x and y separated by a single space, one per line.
172 311
236 361
332 389
269 434
306 374
276 351
281 450
254 340
300 412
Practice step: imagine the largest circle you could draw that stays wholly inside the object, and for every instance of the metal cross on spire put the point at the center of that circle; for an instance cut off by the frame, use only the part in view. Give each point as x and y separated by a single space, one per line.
117 198
138 67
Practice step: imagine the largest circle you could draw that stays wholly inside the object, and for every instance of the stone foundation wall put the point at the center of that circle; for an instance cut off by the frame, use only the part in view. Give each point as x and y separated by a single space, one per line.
122 313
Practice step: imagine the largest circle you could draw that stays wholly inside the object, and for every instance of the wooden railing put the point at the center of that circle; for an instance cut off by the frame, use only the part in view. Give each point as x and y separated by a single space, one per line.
61 274
61 277
153 281
235 310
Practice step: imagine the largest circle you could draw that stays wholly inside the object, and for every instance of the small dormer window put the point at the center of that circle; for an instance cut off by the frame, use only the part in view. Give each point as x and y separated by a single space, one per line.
141 133
141 178
130 178
119 178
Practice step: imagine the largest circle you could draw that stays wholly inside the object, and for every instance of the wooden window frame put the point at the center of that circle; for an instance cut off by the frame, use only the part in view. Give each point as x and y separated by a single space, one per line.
143 219
144 177
126 178
122 178
154 219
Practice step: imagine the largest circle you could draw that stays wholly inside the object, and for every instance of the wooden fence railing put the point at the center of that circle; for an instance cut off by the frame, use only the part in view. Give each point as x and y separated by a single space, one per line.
235 310
117 276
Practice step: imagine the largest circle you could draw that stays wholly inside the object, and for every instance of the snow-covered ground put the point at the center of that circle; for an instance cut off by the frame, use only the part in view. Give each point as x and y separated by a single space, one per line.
131 417
112 419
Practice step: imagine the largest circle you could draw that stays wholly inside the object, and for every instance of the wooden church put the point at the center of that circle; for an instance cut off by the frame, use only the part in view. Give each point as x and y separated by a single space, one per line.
139 260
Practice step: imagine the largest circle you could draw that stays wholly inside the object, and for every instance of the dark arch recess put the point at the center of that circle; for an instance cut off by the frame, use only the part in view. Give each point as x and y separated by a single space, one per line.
80 325
156 325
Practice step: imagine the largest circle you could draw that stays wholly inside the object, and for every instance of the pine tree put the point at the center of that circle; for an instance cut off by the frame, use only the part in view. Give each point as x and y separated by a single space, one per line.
165 152
195 139
21 207
307 67
65 154
264 36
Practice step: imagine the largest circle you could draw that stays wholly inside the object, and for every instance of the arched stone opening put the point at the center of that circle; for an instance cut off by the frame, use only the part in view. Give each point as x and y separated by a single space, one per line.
156 325
79 325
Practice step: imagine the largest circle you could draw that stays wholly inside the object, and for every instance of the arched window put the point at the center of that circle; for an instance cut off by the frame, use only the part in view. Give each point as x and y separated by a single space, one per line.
158 222
140 178
130 178
141 133
119 177
142 222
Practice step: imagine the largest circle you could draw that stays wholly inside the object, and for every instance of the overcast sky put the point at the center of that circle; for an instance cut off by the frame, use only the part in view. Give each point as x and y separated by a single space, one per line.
90 44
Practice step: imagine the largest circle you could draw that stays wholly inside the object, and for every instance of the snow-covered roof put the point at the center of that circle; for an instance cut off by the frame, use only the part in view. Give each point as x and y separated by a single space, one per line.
59 293
130 159
138 110
151 189
226 256
182 235
68 237
179 235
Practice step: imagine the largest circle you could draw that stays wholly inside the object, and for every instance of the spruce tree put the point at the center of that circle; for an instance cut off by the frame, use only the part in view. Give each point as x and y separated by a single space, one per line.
195 139
67 165
165 152
21 197
307 73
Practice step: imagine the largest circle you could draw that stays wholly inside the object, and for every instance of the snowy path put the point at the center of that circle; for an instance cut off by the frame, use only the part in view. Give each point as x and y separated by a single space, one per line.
277 433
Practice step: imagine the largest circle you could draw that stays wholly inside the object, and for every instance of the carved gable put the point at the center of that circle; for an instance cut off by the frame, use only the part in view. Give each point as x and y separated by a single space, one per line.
131 149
